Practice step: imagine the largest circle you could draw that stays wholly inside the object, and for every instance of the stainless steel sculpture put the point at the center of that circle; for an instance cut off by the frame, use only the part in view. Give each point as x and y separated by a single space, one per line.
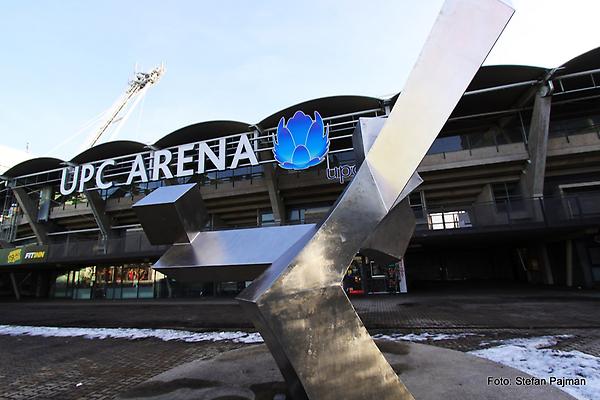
298 305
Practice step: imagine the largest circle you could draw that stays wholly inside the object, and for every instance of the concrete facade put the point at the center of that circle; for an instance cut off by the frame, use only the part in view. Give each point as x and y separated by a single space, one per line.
510 187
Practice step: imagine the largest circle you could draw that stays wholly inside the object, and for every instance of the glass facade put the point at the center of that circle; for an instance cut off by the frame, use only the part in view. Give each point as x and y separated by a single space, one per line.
485 135
368 276
134 281
127 281
564 127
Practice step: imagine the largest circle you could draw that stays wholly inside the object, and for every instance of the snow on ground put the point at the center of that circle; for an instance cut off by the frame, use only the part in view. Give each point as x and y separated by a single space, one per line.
187 336
532 356
130 333
422 337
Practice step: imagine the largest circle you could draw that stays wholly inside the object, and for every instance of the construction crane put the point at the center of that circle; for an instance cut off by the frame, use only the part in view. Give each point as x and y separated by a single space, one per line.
135 92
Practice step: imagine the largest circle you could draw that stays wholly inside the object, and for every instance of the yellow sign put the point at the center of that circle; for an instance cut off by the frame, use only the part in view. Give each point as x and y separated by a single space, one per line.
14 256
29 254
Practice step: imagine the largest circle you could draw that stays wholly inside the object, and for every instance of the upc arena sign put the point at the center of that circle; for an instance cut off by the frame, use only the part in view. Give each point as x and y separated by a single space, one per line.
299 144
189 159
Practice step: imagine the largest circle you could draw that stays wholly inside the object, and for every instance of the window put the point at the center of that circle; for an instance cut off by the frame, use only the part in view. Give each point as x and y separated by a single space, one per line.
296 215
510 134
446 145
415 199
417 203
308 215
507 194
565 127
449 220
267 218
506 191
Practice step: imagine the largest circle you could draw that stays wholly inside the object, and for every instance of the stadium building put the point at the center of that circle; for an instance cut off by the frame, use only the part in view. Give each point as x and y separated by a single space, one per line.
511 191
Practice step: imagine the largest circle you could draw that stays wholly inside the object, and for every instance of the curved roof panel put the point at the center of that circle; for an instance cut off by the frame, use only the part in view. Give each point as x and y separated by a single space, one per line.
326 106
507 98
108 150
498 75
202 131
584 62
490 76
33 166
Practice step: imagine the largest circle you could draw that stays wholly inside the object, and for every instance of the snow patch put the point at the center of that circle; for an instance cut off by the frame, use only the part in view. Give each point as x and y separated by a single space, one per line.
532 356
131 334
422 337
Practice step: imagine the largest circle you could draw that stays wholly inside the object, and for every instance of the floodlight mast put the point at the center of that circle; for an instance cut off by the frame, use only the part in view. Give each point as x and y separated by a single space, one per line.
136 90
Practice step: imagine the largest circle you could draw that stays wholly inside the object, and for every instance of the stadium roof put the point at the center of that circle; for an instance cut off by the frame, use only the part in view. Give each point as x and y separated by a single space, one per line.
202 131
326 106
108 150
493 89
33 166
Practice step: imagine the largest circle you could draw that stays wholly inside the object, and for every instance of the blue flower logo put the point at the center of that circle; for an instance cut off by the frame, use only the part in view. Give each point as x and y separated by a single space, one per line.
302 142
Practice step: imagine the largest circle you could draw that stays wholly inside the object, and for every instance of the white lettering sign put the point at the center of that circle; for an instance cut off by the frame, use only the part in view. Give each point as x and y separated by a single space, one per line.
160 166
99 175
343 173
138 170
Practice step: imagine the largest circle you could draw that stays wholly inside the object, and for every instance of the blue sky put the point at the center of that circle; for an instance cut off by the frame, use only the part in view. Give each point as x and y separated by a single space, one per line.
64 62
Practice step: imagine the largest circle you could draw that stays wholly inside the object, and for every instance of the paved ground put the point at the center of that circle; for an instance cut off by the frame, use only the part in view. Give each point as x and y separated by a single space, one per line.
45 368
457 307
77 368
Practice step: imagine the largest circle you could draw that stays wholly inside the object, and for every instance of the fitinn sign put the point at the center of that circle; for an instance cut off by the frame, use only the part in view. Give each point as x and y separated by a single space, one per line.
301 143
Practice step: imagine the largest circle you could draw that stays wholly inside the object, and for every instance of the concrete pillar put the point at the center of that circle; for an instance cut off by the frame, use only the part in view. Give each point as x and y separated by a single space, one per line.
169 288
13 281
45 203
532 181
569 262
585 263
486 195
525 266
98 207
364 275
277 204
38 284
544 263
484 209
30 211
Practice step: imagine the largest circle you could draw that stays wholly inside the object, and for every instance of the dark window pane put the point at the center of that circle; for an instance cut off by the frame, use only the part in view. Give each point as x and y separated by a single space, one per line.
445 145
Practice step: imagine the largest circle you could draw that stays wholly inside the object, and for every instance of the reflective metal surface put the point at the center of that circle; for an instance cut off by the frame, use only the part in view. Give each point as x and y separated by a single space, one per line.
172 214
229 255
298 305
392 235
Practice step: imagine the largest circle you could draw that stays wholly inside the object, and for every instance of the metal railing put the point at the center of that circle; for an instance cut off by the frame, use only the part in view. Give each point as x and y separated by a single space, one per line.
477 140
132 244
551 211
513 213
